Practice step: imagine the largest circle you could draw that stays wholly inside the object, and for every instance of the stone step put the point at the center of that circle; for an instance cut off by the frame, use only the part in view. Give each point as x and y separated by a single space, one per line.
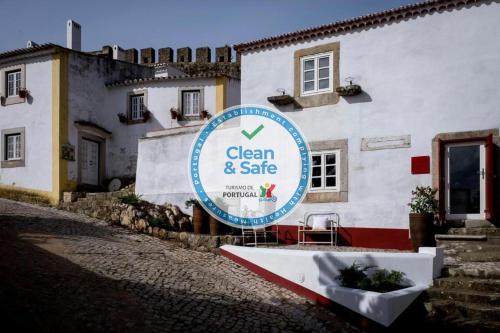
474 231
480 256
482 270
470 311
484 285
463 325
464 295
453 237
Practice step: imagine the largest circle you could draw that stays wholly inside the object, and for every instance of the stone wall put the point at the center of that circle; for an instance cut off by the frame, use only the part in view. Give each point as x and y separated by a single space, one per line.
163 221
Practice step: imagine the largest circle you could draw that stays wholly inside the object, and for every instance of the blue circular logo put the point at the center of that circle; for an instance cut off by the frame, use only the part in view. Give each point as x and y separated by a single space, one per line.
249 166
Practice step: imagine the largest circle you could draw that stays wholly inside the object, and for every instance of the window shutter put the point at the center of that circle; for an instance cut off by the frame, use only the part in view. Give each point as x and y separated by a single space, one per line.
489 175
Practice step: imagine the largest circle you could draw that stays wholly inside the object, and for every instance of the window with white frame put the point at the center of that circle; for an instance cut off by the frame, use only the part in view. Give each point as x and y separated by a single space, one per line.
13 147
191 103
137 107
317 73
13 80
325 171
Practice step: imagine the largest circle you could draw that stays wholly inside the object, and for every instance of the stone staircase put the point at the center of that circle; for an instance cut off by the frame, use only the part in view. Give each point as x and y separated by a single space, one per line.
467 296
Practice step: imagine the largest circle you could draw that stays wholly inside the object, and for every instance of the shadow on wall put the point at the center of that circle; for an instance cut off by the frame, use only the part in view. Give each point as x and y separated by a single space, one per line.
413 319
363 97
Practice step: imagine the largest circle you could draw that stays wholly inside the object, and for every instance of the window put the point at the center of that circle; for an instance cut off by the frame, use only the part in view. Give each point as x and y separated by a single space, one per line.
137 107
13 83
325 171
317 73
13 148
191 103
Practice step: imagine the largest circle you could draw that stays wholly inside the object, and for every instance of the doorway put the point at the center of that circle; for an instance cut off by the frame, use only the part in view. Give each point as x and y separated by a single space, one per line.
464 171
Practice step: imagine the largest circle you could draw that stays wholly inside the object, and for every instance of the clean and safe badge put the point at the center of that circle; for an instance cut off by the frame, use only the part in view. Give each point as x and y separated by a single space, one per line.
249 166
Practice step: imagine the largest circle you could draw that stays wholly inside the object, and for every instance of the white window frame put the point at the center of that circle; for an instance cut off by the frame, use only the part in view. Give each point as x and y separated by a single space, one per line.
137 107
14 147
316 69
323 175
188 109
14 77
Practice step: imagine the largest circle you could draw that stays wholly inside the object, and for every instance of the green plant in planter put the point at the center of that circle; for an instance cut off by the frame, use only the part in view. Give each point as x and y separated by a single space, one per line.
131 199
354 276
381 280
423 200
192 203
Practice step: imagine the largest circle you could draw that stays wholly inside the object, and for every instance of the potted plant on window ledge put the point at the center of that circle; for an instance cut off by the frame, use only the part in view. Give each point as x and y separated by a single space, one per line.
204 114
174 113
423 207
23 92
146 115
122 117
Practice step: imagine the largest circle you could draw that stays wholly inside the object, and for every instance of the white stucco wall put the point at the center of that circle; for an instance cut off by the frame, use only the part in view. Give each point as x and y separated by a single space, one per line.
35 115
162 167
161 97
436 73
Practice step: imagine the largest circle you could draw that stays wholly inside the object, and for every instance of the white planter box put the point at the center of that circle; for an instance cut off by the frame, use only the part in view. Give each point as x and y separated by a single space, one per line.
316 271
383 308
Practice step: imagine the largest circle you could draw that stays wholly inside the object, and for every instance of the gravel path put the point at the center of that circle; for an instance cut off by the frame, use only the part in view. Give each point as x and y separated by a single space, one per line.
62 272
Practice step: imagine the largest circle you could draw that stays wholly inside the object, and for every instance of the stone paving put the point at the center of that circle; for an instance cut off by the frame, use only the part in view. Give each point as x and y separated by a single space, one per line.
63 272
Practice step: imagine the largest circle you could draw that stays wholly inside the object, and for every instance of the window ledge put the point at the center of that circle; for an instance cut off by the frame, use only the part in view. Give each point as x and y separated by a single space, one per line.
13 100
135 121
325 196
12 164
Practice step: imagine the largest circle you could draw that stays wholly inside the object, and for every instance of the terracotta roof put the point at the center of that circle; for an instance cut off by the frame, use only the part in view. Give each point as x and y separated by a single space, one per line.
166 78
28 50
360 22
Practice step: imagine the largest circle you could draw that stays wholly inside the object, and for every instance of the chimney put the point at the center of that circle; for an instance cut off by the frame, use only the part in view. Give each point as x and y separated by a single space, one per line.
30 44
223 54
184 54
118 53
131 55
73 36
148 56
166 55
203 55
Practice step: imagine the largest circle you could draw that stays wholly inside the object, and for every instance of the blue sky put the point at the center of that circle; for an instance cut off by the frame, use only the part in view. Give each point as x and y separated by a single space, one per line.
171 23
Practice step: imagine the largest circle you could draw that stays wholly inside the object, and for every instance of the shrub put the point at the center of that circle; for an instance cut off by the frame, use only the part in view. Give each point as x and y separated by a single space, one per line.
423 200
192 202
159 222
131 199
381 281
353 276
384 281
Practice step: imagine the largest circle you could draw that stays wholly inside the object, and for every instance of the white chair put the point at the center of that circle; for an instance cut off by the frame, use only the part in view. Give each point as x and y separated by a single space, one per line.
319 223
259 234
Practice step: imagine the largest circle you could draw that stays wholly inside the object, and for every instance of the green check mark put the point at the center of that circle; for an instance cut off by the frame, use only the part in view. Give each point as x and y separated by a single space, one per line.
250 136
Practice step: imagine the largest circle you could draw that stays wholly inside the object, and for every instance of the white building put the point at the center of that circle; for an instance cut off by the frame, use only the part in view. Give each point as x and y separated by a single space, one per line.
73 118
427 115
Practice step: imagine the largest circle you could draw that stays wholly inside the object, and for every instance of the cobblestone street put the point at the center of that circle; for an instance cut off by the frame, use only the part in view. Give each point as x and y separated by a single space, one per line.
61 272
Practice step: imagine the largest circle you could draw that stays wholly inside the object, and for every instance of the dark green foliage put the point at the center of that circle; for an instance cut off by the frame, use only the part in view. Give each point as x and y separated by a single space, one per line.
424 200
381 281
192 202
160 222
131 199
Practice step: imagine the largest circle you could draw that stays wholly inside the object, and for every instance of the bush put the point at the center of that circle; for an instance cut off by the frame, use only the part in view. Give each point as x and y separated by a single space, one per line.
423 200
381 281
131 199
159 222
192 202
353 276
